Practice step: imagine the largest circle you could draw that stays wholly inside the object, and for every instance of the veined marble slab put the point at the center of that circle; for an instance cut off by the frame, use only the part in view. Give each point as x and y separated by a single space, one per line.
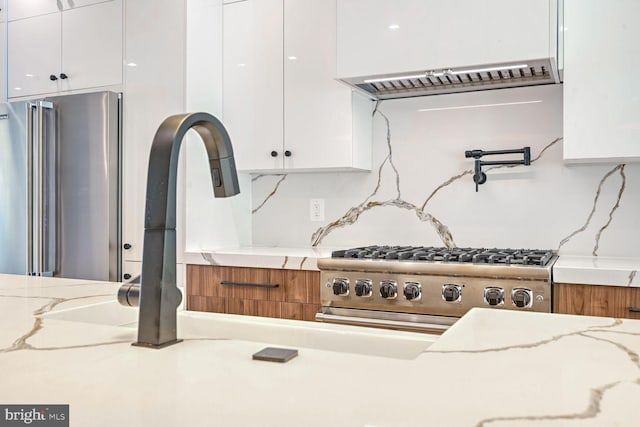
492 368
260 257
597 271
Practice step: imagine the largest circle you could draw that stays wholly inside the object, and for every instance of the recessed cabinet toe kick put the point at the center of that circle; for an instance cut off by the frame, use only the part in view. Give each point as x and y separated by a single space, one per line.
427 289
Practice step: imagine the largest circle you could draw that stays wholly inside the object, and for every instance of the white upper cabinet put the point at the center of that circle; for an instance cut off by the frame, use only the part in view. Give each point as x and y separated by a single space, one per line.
389 36
77 48
3 56
20 9
600 94
34 53
318 112
92 45
3 68
282 107
74 4
253 82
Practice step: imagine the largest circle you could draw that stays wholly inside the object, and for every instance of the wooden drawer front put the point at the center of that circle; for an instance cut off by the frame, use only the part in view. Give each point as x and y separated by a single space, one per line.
302 286
606 301
235 282
296 297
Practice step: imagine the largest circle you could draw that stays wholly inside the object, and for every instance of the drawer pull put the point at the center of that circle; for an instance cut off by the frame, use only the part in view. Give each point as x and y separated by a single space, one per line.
634 309
253 285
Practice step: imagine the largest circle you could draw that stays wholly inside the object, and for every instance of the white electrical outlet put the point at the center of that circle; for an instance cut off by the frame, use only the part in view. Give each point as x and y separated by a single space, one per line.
316 209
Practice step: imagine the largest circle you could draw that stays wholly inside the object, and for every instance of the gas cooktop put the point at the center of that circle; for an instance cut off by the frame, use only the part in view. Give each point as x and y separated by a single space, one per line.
526 257
416 287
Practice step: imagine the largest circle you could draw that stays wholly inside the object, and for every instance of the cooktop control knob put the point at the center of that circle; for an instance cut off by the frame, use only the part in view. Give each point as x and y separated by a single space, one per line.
412 291
521 297
451 293
493 295
341 287
388 289
364 287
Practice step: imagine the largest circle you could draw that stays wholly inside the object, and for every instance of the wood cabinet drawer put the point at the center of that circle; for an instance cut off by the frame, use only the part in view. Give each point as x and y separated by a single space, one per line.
286 294
589 300
236 282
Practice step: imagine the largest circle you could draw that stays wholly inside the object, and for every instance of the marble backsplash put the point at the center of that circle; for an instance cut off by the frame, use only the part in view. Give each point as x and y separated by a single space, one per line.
421 192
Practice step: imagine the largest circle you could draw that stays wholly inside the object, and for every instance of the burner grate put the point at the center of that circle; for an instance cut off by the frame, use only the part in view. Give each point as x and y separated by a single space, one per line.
528 257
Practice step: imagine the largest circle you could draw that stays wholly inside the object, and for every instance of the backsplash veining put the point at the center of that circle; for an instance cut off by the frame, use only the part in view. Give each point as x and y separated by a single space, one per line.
420 190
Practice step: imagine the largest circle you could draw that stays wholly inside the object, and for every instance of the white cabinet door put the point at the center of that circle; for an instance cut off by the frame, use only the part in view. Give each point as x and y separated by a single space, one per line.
19 9
131 270
601 101
293 116
92 46
79 48
3 51
3 70
155 89
73 4
390 36
34 53
317 108
252 82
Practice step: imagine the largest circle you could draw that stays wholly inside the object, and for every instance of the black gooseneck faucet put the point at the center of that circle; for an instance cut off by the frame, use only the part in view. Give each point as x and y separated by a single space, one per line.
157 294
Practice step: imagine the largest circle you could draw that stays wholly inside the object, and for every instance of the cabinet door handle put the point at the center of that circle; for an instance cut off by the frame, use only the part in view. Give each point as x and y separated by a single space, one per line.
634 309
63 76
53 77
287 153
274 153
254 285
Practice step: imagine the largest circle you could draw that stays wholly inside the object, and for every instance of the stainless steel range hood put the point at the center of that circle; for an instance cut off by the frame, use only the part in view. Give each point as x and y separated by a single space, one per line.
463 79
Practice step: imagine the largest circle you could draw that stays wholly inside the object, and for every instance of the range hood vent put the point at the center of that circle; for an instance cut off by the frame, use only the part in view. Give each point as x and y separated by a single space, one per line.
435 82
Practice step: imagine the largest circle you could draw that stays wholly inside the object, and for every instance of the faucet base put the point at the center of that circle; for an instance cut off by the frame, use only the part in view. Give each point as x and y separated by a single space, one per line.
156 346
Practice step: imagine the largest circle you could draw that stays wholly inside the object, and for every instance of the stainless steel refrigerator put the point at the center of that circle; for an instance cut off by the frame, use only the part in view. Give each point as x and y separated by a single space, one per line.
60 186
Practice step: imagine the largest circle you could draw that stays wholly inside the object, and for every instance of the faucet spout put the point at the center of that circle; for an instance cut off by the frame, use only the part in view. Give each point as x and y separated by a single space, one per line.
159 295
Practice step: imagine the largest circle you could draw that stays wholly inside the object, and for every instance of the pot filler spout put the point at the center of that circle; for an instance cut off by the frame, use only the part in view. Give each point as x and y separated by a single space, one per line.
157 294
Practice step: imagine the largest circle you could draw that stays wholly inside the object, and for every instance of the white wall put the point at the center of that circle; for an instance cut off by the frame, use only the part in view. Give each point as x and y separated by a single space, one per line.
535 206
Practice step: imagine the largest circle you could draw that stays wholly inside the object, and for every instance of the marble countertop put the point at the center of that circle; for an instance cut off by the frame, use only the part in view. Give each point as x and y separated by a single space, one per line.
67 342
260 257
598 270
585 270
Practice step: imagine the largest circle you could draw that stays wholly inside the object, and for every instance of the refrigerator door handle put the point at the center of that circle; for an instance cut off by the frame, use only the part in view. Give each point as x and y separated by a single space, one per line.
40 268
40 190
31 107
46 220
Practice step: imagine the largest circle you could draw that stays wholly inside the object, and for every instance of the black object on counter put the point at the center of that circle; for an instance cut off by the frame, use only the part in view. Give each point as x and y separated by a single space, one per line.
275 354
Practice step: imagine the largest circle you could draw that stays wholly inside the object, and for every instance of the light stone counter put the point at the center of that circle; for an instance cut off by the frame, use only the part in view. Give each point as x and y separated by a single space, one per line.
597 271
260 257
58 344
